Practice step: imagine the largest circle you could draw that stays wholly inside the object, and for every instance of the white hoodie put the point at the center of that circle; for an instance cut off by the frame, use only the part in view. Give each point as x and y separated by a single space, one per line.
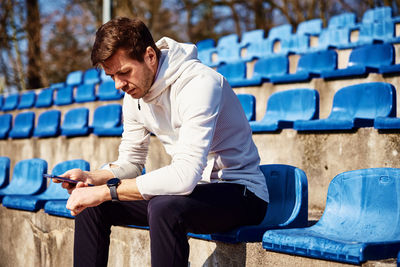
196 115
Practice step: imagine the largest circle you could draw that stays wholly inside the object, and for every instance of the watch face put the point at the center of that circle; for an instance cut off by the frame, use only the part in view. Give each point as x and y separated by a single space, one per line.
113 181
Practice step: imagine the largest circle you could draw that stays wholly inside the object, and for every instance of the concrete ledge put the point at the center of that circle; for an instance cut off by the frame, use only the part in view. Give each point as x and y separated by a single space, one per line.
39 239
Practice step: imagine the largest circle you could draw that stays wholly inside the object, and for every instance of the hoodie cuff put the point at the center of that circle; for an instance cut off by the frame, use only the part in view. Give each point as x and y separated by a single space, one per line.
124 170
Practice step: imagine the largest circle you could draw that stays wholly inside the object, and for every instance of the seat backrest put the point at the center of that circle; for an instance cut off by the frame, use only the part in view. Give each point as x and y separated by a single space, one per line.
248 103
288 196
276 65
11 102
317 62
85 93
48 123
107 91
107 116
24 124
342 20
365 100
310 27
27 178
278 31
294 104
57 85
104 77
233 70
74 78
205 44
294 43
364 203
44 98
228 48
91 76
377 14
251 37
55 189
374 55
64 96
4 171
76 118
337 38
5 125
27 100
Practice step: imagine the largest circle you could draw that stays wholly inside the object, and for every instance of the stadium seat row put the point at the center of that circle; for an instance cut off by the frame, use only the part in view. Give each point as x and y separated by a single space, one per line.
64 95
106 122
362 105
377 25
373 58
359 222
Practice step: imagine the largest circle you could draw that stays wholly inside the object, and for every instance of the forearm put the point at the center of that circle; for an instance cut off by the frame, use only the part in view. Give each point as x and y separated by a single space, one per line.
98 177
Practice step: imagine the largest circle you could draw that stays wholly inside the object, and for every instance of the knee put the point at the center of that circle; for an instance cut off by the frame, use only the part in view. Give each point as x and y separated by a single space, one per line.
164 209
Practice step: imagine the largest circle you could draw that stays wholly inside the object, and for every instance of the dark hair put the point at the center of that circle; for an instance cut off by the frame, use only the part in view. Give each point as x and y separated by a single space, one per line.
132 35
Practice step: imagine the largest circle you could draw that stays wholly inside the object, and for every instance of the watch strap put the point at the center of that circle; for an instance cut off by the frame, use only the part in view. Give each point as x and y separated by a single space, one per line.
113 192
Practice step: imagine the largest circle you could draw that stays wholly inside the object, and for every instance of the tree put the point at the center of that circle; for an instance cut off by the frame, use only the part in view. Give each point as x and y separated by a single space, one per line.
33 27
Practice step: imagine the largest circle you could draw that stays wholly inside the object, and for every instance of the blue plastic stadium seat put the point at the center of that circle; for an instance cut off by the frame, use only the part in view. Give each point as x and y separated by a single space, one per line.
5 125
10 102
107 120
48 124
378 32
4 171
24 123
285 107
377 14
91 76
355 106
76 122
107 91
334 38
248 103
251 41
1 101
310 27
74 78
228 49
343 20
85 93
278 32
57 85
294 44
27 178
27 100
64 96
235 73
387 123
205 50
310 65
53 192
45 98
288 206
360 221
57 208
265 68
104 77
363 60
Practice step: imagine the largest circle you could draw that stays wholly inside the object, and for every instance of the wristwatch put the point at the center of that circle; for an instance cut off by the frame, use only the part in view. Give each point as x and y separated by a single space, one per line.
113 184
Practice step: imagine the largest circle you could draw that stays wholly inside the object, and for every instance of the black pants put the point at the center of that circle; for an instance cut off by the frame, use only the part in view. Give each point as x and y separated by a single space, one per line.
208 209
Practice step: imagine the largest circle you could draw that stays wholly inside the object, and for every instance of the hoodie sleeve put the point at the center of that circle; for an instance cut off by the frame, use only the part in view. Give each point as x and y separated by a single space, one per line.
198 104
133 147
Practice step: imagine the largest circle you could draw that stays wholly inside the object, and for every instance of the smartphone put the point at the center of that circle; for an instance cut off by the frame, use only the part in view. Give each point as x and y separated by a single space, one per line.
62 179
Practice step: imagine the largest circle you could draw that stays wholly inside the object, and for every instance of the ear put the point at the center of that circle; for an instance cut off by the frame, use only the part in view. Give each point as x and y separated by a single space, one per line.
150 57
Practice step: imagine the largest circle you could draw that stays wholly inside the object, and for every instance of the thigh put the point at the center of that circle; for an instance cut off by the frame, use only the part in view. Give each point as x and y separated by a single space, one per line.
125 212
215 207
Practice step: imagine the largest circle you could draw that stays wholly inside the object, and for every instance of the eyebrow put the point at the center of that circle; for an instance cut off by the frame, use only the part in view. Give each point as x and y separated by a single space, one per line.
117 72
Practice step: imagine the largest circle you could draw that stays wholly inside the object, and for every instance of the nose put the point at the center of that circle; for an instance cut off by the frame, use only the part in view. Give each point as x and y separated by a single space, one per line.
119 84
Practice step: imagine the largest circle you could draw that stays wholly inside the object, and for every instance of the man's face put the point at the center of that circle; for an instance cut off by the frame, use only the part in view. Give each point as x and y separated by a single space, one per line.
131 76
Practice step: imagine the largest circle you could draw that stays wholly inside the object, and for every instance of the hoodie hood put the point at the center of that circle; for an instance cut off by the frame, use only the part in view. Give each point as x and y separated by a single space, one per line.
175 58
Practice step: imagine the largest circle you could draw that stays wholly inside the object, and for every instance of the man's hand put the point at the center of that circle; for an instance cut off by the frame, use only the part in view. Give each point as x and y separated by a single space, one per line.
74 174
84 196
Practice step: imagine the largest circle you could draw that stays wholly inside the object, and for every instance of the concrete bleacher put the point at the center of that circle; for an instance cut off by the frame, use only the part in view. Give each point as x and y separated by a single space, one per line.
39 239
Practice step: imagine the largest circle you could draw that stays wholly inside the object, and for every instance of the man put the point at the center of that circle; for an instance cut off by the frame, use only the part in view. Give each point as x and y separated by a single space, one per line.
213 183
